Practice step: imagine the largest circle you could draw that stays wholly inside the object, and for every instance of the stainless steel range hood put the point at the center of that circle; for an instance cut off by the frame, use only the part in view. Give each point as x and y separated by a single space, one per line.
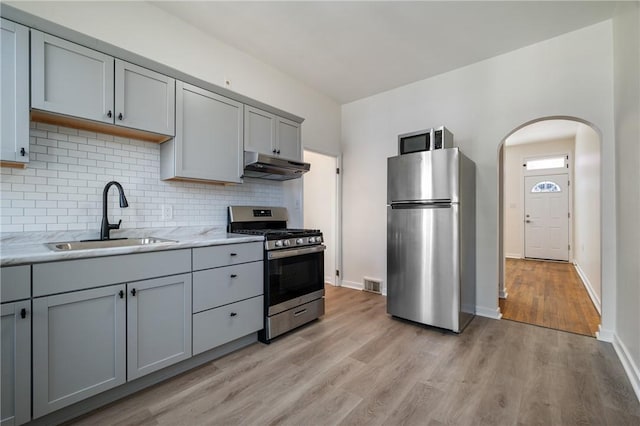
262 166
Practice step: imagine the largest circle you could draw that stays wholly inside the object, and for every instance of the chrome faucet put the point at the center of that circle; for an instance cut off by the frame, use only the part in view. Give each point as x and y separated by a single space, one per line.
106 227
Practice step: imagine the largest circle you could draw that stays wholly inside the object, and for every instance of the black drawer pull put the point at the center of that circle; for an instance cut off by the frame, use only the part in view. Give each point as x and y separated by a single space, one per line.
233 314
120 117
233 254
109 114
23 313
133 292
233 275
23 152
121 294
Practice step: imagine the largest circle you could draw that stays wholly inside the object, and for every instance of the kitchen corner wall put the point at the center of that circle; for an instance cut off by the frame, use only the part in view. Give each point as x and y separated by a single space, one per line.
61 188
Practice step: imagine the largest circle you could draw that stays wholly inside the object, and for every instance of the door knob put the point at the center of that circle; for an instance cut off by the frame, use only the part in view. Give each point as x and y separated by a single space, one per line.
528 221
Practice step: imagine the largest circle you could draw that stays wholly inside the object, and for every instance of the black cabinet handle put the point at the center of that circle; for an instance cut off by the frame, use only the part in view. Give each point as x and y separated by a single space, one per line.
109 114
133 292
121 294
232 314
274 151
278 152
120 116
233 275
233 254
23 151
23 313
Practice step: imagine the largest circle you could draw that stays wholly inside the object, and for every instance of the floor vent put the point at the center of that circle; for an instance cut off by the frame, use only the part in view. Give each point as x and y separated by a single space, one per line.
372 285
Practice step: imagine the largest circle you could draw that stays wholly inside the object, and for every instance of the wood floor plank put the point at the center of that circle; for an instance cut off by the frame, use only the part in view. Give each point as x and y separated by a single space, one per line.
359 366
548 294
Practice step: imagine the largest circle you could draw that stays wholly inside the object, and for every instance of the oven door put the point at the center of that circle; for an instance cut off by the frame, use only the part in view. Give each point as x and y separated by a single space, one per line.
293 277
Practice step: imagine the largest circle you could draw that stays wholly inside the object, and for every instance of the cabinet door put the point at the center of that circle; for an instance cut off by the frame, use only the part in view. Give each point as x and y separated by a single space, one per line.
14 74
259 131
158 324
78 346
144 99
288 137
16 363
70 79
208 142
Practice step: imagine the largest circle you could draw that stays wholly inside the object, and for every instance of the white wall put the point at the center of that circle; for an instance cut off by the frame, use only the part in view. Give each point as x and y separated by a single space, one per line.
586 210
570 75
320 205
514 184
151 32
626 65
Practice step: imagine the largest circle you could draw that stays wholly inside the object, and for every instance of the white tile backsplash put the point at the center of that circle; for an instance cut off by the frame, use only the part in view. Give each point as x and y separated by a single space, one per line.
61 188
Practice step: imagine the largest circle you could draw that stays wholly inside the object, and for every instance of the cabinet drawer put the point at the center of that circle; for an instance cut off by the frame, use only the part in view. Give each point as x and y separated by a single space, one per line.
221 286
71 275
221 325
229 254
15 283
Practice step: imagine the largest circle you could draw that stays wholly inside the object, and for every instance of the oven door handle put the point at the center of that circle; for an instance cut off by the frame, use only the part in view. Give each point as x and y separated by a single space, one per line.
281 254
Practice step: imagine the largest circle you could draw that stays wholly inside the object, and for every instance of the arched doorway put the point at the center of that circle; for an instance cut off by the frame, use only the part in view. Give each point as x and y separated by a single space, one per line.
550 226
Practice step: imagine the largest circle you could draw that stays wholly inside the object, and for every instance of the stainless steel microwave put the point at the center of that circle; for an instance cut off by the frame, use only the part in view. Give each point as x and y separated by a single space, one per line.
425 140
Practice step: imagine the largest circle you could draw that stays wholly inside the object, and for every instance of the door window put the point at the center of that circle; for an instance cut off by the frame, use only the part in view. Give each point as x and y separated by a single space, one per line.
546 186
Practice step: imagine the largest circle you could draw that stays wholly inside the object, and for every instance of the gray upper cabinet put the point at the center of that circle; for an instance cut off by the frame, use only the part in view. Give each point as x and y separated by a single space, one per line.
16 363
145 99
78 346
158 324
288 136
70 79
14 75
270 134
208 141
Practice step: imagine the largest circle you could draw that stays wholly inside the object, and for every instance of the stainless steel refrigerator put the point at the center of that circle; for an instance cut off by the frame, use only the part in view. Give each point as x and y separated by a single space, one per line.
431 258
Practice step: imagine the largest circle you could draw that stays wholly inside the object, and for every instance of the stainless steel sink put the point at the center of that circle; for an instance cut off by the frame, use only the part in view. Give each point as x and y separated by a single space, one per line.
97 244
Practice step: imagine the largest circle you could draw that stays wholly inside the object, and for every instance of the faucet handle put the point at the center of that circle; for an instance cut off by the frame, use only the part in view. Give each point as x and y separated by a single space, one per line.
114 225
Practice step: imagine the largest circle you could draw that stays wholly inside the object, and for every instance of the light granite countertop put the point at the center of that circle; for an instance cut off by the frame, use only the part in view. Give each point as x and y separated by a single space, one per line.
29 247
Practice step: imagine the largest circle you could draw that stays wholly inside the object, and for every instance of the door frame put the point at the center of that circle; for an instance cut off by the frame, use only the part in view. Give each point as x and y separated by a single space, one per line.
337 279
543 172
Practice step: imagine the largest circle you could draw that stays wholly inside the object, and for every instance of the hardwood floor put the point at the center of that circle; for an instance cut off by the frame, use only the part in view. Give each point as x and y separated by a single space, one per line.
358 366
549 294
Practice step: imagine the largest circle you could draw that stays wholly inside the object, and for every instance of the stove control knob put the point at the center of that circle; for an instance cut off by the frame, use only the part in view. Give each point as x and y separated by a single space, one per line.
279 243
287 243
299 241
312 239
318 239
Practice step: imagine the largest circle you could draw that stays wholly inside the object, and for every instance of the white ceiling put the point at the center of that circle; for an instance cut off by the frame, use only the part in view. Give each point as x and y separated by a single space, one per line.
351 50
544 131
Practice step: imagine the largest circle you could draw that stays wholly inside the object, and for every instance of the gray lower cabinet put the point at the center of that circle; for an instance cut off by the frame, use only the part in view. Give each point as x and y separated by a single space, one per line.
208 141
16 363
270 134
79 343
70 79
158 324
14 76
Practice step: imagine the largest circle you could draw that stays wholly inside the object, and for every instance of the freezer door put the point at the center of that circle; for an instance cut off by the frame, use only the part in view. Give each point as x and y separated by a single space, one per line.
423 279
430 175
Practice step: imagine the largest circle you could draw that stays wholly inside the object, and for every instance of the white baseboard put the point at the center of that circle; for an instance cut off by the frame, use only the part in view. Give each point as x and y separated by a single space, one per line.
513 255
589 287
502 294
352 284
329 279
604 335
632 370
488 312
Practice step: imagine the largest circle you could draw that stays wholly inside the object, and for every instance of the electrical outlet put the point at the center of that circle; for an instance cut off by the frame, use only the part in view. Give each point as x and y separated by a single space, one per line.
167 212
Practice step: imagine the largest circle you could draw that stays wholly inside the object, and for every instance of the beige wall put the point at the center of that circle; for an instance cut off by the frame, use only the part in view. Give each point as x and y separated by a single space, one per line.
586 210
514 157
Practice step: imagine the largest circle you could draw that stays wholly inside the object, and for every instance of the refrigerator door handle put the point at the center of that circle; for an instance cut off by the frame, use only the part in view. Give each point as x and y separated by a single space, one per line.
430 204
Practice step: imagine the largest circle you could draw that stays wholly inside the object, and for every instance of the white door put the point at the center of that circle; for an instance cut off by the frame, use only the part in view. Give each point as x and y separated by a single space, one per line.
546 221
320 206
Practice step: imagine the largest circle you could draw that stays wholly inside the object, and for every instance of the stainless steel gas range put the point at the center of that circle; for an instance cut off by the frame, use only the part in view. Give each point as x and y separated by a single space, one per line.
293 268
